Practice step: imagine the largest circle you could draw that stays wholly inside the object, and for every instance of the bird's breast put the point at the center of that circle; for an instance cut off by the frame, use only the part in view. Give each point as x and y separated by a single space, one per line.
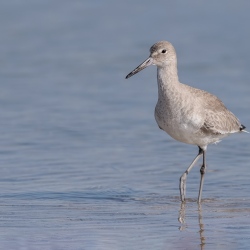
179 122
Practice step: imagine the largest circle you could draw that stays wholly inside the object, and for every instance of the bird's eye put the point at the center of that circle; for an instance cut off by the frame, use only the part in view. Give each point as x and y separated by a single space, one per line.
163 51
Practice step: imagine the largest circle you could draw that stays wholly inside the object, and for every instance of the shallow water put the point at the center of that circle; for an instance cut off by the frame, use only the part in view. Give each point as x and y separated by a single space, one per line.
83 163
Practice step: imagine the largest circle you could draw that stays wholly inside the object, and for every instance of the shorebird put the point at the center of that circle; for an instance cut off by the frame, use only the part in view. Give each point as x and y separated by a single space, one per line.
187 114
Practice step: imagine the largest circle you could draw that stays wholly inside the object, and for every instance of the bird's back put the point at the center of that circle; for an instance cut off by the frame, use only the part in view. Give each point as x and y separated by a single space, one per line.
218 119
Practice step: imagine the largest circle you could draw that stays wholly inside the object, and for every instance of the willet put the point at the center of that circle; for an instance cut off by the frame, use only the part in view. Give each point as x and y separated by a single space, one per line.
187 114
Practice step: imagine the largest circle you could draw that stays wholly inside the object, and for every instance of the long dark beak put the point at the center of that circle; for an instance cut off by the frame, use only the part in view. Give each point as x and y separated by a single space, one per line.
142 66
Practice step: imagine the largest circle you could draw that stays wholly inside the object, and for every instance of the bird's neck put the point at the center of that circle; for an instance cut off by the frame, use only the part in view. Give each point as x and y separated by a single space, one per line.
167 78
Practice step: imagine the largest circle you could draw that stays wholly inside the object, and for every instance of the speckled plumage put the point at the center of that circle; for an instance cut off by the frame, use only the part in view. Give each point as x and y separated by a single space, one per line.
187 114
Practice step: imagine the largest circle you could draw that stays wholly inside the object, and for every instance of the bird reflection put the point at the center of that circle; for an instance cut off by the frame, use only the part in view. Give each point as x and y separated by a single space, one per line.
182 220
201 225
182 215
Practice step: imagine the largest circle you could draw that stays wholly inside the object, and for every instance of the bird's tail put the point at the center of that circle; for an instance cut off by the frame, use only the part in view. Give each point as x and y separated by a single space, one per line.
242 129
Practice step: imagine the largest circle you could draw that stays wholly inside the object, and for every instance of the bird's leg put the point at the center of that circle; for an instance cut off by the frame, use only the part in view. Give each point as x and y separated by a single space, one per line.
203 170
184 176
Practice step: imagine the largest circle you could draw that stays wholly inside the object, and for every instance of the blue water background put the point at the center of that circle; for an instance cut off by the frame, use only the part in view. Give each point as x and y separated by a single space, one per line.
83 163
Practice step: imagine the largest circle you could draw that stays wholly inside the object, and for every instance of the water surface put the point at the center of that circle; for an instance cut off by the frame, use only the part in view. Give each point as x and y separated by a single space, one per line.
83 163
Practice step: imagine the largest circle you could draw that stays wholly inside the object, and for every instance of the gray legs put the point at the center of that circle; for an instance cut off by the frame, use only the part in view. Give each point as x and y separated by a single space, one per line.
183 178
203 169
